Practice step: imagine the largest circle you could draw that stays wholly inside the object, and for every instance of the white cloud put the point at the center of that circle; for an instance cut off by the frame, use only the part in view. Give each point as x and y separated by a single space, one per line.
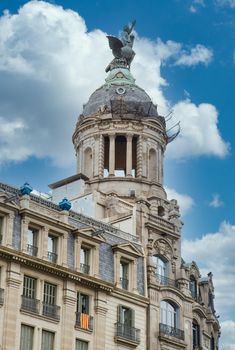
228 334
229 3
185 201
215 252
50 64
198 54
195 5
199 131
216 201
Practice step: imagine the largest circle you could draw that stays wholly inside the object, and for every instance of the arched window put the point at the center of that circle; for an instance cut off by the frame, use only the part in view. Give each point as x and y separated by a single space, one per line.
212 343
152 165
196 334
193 287
88 166
161 269
169 314
120 156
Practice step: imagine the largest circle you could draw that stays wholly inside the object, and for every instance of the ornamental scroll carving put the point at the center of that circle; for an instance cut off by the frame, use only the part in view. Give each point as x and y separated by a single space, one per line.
162 247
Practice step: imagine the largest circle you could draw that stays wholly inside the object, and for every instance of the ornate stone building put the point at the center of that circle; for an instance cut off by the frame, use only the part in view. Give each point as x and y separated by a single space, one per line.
106 273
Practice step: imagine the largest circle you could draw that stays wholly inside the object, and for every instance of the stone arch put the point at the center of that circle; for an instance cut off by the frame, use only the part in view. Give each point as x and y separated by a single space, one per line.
88 162
152 171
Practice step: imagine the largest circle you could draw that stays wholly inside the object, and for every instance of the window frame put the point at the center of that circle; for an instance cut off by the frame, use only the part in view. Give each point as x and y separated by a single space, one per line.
82 341
22 344
44 331
34 247
169 314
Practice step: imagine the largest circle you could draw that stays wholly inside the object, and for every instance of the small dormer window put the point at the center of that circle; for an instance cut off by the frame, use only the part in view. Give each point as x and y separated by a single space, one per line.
193 287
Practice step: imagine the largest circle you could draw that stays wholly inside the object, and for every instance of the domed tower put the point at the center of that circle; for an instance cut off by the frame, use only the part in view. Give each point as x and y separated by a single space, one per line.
120 140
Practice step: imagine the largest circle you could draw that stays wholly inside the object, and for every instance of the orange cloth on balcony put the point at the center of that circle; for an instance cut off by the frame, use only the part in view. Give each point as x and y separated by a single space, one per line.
84 321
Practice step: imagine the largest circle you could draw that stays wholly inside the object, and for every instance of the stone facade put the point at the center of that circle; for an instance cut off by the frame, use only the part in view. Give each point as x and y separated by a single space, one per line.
107 274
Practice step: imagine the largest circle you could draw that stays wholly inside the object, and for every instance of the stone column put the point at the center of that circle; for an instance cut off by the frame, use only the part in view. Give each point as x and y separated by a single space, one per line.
44 242
24 234
139 156
12 300
129 155
111 154
9 225
96 156
101 156
100 320
64 249
68 318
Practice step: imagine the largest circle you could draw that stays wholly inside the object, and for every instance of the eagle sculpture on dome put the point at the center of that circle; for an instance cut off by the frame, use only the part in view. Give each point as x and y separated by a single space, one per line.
122 48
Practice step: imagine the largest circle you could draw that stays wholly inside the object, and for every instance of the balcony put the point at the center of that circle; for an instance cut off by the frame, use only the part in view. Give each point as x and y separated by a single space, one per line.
84 268
30 305
51 311
84 321
32 250
165 281
52 257
124 332
124 283
1 296
172 331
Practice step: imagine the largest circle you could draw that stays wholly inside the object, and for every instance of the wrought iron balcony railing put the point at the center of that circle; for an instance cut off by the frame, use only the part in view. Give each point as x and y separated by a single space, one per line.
172 331
30 304
165 281
32 250
50 310
85 268
52 257
1 296
124 283
127 332
84 321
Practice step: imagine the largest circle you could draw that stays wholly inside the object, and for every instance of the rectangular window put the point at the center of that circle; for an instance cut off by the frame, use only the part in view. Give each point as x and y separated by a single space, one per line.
49 296
1 228
26 337
85 260
47 340
32 247
124 267
83 303
29 287
29 302
81 345
126 316
52 248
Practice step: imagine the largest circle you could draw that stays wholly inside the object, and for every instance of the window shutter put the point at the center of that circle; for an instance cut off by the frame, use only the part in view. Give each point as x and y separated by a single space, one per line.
119 314
132 318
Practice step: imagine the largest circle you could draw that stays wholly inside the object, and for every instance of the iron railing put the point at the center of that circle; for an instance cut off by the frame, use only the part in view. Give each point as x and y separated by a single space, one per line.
51 310
52 257
32 250
30 304
165 281
84 268
84 321
1 296
127 332
124 283
172 331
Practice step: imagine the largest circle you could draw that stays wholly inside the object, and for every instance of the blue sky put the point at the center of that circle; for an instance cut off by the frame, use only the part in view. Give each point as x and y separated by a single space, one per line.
50 62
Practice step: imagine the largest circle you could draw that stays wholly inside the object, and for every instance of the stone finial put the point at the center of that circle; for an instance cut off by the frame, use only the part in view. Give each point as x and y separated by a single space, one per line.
26 189
65 204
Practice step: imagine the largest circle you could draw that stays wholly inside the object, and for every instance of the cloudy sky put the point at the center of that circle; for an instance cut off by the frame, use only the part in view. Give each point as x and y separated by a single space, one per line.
53 55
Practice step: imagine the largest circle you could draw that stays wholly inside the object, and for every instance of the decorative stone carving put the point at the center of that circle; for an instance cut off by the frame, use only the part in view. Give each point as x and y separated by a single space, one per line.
162 247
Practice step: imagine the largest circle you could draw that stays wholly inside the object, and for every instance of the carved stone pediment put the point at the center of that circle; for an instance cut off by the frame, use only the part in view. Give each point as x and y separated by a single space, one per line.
127 248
